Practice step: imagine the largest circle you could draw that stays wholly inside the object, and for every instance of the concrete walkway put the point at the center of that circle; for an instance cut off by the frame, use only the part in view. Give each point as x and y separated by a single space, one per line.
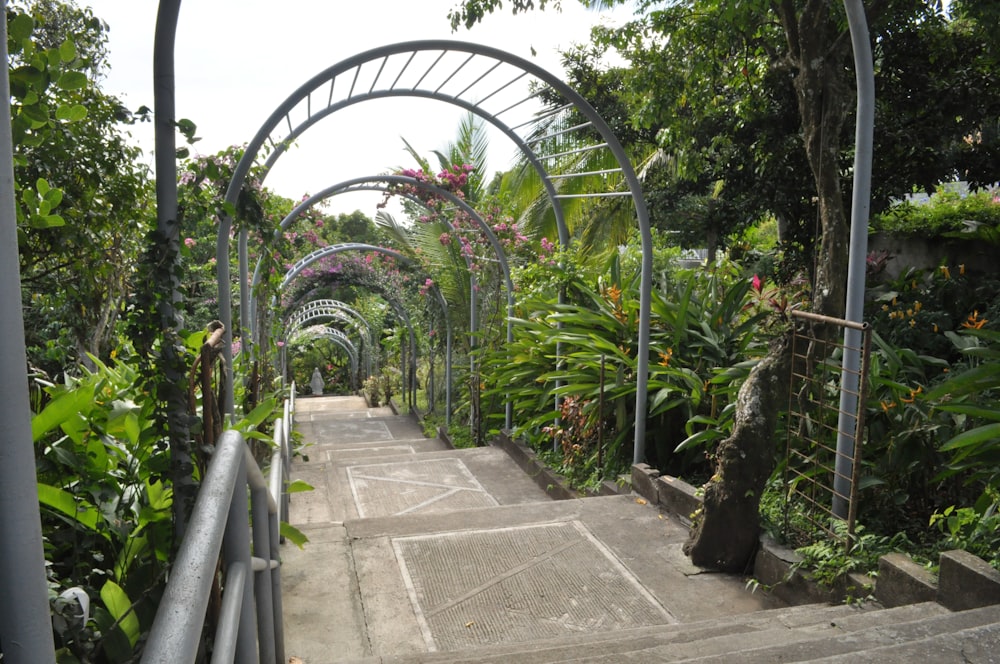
416 547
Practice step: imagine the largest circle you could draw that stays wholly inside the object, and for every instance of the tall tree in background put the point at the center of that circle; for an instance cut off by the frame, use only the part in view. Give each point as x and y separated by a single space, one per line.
83 190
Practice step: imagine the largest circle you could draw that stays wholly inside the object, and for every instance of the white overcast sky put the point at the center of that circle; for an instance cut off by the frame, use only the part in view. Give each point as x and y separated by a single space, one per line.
236 60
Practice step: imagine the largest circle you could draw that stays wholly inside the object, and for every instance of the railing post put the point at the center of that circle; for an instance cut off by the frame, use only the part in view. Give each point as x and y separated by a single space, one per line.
259 503
277 610
236 549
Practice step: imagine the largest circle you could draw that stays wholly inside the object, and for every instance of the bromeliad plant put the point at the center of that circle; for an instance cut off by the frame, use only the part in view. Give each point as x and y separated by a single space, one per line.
700 331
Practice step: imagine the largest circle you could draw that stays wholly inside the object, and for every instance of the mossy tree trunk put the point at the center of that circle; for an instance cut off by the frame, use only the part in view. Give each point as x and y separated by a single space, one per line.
726 533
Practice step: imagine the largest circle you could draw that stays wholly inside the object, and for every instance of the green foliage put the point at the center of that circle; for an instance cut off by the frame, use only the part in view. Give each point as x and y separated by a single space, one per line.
827 561
106 510
973 529
947 214
80 187
704 337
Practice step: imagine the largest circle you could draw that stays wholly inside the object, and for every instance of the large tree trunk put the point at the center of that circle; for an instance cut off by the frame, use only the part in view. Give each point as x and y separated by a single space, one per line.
725 537
817 53
726 532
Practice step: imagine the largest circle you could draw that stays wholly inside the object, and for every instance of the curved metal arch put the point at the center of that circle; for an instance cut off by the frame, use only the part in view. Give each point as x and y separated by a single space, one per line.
372 183
332 250
359 322
303 318
301 102
341 340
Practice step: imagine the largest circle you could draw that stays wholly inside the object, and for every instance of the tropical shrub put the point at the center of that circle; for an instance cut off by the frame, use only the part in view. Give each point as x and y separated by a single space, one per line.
106 509
946 214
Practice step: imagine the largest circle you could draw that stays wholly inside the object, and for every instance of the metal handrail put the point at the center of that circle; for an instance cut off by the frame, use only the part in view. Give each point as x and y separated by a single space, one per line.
250 627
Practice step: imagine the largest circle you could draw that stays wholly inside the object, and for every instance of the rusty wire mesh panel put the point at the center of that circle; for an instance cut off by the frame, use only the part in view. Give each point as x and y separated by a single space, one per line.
811 457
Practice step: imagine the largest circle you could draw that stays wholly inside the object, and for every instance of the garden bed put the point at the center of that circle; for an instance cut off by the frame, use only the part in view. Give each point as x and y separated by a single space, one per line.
964 582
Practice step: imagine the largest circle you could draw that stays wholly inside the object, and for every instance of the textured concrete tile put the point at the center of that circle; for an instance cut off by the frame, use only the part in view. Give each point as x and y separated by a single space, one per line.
475 588
411 487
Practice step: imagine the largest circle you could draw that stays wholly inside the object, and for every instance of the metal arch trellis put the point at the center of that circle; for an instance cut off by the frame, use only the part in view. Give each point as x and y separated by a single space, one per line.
317 309
384 183
339 338
332 250
478 79
330 315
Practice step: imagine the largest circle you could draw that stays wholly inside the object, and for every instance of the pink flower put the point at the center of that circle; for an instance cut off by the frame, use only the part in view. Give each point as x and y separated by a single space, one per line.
189 242
757 283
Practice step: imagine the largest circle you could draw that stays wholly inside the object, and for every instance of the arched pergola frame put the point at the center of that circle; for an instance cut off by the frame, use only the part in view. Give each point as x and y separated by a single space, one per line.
330 315
436 82
335 249
339 338
337 310
385 183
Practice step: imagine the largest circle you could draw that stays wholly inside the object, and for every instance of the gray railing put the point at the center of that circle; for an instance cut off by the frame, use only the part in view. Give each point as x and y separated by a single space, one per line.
249 627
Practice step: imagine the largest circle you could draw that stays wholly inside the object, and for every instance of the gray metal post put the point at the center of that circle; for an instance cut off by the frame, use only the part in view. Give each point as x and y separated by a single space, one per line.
25 627
259 500
860 205
236 548
277 608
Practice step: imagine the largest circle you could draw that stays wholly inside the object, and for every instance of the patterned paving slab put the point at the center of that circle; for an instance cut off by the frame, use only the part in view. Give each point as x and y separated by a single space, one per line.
408 487
350 431
476 588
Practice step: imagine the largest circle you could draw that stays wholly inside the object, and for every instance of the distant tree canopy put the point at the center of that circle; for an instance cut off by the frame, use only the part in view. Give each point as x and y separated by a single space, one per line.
751 108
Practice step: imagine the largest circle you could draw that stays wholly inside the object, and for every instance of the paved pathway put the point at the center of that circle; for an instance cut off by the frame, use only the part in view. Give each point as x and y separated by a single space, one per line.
416 547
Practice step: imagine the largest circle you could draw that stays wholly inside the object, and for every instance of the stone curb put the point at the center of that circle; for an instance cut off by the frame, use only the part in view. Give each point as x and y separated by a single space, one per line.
547 479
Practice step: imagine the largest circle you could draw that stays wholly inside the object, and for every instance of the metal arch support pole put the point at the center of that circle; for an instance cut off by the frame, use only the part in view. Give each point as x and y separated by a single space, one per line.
25 625
860 204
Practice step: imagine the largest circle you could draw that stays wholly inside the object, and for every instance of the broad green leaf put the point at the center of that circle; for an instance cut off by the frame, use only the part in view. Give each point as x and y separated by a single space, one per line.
120 607
71 112
298 486
61 409
72 80
293 534
66 503
48 221
21 27
159 495
263 410
38 114
67 51
973 437
970 410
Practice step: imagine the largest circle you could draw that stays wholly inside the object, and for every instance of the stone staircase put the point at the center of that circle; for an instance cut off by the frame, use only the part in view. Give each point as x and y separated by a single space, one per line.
422 553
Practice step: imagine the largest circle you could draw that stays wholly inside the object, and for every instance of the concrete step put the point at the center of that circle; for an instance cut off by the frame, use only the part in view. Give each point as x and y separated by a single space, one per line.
366 450
798 634
860 640
977 644
425 554
606 646
385 484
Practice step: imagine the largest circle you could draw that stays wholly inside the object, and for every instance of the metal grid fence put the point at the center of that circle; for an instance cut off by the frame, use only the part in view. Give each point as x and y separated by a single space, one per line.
814 423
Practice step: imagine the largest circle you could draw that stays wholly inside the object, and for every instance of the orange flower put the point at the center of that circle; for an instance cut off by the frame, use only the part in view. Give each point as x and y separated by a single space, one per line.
974 322
886 405
913 395
946 272
665 357
961 268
